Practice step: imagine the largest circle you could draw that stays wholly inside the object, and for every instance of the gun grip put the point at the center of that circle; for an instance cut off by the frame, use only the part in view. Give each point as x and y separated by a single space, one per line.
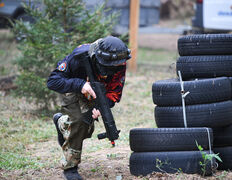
101 136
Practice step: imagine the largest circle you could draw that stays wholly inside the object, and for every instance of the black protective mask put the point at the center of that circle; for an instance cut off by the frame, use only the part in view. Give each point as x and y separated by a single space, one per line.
107 70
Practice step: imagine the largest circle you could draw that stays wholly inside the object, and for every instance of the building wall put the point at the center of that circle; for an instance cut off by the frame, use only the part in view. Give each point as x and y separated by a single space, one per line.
149 12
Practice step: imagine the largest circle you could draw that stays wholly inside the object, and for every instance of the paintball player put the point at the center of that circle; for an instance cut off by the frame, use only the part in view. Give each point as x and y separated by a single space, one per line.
108 58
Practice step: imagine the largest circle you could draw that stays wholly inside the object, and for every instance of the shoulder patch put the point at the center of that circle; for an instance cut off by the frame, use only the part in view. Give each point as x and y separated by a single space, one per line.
62 66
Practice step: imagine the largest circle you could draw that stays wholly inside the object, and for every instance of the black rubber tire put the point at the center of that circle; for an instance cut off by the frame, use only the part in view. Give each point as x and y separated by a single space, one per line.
230 78
169 139
144 163
204 66
202 91
205 44
222 136
225 153
201 115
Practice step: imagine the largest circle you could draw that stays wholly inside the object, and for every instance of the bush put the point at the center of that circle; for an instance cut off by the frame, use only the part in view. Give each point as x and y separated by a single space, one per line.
58 28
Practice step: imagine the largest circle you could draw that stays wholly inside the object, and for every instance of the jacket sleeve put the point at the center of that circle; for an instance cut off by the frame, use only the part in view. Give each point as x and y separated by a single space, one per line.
115 86
60 79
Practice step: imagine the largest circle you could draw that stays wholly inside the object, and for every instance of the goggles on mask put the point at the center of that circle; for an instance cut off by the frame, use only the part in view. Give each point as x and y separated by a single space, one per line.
107 70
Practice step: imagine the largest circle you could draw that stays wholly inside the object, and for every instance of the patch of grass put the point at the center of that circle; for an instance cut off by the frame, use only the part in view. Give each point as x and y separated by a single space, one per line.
156 56
23 132
12 161
17 132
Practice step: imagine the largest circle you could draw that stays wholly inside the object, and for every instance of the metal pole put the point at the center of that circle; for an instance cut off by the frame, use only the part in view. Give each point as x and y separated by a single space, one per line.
183 95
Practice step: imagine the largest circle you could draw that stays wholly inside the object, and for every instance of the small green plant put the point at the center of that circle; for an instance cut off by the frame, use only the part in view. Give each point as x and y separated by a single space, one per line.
96 169
159 164
93 170
111 156
206 158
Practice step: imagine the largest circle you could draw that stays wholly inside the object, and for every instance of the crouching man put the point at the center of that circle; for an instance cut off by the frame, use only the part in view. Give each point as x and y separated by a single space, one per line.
108 58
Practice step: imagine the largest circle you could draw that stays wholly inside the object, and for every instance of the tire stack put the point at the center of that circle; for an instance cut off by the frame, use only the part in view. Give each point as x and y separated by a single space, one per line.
210 56
205 63
169 150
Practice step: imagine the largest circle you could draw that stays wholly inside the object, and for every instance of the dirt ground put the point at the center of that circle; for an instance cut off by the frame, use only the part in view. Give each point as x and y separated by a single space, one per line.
97 166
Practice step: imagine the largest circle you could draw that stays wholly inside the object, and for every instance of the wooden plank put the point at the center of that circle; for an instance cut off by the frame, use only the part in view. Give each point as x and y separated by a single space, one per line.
133 33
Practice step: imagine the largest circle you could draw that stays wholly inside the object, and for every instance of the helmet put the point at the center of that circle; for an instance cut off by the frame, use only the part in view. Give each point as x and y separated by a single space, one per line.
110 51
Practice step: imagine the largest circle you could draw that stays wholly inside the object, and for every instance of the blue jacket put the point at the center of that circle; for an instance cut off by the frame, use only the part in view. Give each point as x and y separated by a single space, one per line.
70 76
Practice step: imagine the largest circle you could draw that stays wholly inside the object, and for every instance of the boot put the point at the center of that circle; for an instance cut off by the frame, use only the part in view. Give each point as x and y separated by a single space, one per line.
60 135
72 174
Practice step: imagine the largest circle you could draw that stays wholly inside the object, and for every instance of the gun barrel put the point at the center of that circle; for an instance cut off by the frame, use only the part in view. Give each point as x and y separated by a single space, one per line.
102 104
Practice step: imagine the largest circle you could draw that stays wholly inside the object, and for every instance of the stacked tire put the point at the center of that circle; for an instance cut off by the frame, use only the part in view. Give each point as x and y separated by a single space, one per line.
210 56
207 105
169 150
205 64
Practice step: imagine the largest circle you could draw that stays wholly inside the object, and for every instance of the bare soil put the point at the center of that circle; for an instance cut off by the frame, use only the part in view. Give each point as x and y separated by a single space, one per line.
96 166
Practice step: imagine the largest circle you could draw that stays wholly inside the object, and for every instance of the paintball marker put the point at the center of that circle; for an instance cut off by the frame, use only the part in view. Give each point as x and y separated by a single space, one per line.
102 105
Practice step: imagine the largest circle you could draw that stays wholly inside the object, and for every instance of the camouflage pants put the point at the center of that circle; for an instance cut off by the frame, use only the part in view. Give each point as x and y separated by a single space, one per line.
74 128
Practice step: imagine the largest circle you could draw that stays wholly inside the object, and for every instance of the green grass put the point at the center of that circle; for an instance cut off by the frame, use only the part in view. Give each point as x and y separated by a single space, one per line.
156 56
15 161
18 130
15 138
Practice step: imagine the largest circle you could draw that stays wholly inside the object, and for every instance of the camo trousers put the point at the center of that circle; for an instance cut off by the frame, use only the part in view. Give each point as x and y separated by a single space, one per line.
73 127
